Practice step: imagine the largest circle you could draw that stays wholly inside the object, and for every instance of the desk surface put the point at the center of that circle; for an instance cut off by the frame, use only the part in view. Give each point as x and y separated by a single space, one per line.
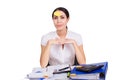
62 76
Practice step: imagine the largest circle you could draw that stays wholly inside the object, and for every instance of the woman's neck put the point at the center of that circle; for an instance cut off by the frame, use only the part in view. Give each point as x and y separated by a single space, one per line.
62 33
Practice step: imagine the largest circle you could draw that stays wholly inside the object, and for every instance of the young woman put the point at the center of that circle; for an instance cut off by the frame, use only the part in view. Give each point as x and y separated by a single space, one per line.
61 46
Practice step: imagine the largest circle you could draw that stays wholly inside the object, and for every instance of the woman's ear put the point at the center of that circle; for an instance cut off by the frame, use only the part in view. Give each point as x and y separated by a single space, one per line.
68 19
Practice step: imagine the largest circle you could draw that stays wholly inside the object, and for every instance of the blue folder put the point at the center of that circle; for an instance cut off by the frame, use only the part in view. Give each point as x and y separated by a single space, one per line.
102 70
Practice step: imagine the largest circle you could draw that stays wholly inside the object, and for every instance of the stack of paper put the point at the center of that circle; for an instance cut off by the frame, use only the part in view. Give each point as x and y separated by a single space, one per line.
51 72
40 73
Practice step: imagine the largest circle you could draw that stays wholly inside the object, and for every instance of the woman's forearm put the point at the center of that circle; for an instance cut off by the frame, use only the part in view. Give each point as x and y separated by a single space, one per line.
79 54
45 56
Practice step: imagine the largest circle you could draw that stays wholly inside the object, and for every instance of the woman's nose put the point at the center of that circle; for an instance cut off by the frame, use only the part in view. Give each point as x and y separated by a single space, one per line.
58 20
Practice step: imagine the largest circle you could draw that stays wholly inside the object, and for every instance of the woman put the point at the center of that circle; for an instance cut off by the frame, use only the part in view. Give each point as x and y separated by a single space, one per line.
61 46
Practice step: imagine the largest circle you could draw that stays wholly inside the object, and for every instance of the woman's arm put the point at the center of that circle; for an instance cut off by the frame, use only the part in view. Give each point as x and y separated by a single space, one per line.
45 51
78 50
44 58
79 53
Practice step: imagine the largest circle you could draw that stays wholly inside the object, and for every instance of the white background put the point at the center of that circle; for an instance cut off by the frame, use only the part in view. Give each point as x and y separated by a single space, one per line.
23 22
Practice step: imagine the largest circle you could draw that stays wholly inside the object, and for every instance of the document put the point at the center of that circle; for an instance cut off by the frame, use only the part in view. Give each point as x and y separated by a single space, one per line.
58 71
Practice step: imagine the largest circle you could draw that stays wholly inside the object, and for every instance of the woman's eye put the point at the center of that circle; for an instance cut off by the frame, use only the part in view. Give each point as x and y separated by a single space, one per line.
62 17
55 17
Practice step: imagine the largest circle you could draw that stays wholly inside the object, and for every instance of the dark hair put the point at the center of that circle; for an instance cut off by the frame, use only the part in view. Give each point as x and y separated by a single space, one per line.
61 9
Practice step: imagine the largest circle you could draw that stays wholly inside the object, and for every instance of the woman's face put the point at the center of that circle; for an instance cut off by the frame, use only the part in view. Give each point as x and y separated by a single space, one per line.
60 20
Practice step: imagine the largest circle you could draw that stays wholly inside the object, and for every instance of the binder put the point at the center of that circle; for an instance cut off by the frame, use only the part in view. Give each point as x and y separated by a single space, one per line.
92 72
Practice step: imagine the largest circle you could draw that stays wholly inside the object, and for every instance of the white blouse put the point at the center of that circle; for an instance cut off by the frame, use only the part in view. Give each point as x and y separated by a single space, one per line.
59 55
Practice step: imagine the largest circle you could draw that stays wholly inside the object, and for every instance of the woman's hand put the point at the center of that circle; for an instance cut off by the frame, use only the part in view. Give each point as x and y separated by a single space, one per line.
69 41
53 41
60 41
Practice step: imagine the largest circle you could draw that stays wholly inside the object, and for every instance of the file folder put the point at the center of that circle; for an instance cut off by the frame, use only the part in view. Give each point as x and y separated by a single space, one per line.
96 73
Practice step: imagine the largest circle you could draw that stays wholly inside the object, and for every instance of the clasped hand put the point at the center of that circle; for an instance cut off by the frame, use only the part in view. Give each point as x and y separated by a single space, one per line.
60 41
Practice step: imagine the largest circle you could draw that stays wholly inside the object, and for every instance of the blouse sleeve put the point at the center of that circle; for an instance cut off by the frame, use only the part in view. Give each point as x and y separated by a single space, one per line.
43 40
79 40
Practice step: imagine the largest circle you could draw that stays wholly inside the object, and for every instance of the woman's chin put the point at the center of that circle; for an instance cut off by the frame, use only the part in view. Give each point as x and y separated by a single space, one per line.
59 29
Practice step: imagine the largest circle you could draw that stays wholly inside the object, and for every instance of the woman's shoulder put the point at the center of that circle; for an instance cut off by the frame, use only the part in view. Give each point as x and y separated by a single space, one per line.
47 36
75 34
